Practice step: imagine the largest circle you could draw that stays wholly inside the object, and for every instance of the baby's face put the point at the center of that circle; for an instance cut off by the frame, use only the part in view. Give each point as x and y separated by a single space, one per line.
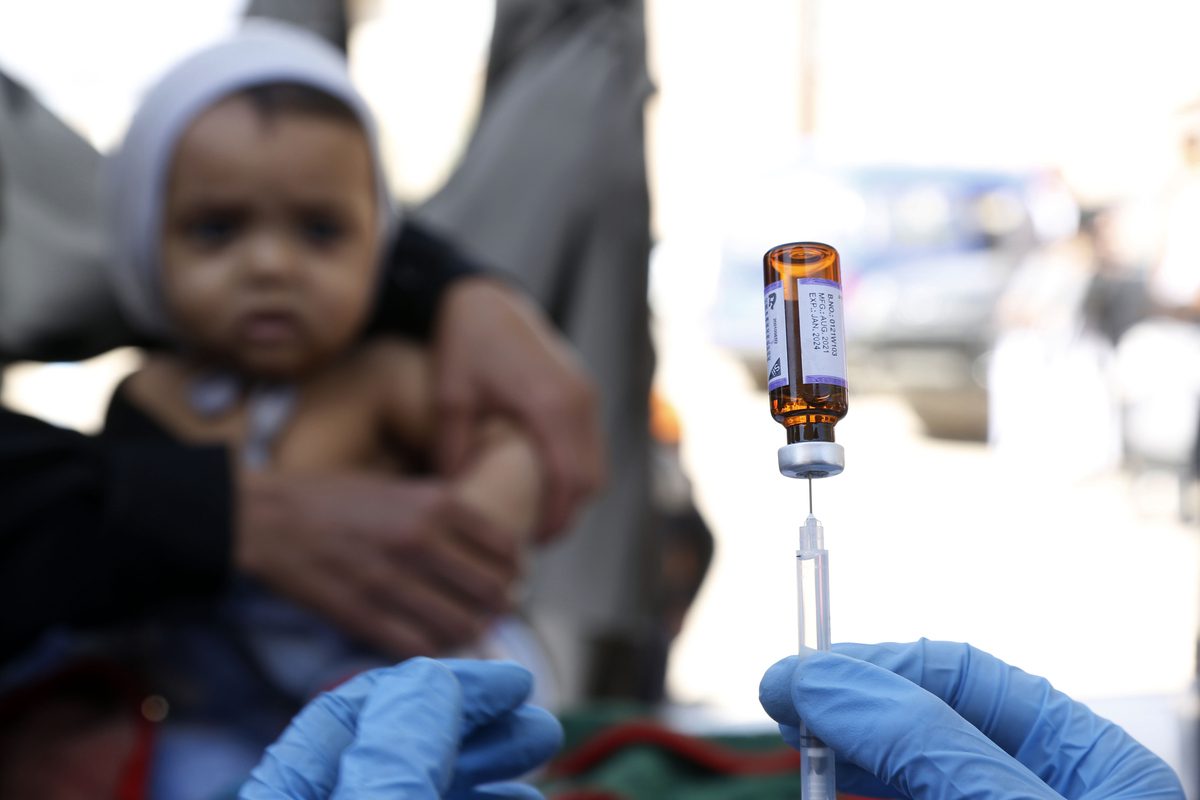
270 238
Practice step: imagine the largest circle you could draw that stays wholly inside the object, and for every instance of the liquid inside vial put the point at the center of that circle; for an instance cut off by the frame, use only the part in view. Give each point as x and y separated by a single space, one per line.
806 359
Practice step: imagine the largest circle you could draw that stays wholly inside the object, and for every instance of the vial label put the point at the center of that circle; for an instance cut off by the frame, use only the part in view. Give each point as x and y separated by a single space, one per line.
776 322
822 348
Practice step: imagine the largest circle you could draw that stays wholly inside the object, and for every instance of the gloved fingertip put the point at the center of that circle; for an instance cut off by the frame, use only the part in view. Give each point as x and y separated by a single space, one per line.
490 688
508 747
519 675
543 727
775 691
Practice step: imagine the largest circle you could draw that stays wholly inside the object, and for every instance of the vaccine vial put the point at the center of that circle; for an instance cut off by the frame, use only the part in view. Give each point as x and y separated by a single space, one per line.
806 355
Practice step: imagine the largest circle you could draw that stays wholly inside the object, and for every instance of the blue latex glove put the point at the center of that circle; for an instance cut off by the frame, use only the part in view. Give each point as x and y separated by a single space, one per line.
934 720
422 729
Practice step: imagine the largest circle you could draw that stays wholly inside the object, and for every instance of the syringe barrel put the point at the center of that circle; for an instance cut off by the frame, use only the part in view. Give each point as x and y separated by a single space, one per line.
818 776
812 587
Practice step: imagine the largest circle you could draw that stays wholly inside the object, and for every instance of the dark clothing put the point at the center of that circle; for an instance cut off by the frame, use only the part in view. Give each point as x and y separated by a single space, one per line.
94 530
419 267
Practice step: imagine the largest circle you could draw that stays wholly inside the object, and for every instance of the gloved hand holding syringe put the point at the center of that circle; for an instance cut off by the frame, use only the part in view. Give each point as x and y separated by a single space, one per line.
806 378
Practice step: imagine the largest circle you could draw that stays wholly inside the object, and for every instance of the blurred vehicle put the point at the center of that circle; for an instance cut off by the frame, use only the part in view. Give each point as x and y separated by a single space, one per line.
925 254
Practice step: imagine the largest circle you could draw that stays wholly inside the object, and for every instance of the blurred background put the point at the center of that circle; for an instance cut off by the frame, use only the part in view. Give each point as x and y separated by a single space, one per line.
1000 180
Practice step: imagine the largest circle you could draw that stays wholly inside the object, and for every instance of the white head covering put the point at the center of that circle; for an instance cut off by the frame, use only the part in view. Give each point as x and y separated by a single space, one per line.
261 52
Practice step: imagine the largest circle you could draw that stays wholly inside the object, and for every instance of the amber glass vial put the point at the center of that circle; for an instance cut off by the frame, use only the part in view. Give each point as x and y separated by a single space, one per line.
806 359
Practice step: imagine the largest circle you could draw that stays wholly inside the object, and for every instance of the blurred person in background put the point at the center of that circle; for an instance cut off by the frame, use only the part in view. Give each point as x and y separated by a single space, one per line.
1175 280
1174 284
1049 334
82 548
1162 427
495 353
250 211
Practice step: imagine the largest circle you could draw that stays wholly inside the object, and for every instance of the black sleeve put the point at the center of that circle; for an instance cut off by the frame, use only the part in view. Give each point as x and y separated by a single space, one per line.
417 270
94 531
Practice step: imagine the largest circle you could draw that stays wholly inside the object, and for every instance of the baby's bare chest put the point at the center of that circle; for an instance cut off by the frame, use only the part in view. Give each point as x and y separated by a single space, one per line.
331 433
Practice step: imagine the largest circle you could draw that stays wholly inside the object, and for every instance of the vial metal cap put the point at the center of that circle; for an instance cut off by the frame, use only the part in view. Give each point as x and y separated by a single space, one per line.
811 459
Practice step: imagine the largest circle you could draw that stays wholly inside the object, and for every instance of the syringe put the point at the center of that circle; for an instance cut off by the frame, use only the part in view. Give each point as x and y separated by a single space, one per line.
817 775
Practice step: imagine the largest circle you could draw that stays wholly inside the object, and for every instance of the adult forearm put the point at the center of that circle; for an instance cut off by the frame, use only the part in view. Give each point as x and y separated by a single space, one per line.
93 532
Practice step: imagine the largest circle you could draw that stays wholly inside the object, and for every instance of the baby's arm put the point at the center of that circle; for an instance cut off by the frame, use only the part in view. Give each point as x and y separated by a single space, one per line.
502 481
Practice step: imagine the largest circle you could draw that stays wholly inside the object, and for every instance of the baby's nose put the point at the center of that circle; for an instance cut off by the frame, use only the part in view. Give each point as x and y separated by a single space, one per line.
270 256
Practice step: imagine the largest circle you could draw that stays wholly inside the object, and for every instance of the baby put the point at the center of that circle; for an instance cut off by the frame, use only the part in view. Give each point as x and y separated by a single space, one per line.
250 214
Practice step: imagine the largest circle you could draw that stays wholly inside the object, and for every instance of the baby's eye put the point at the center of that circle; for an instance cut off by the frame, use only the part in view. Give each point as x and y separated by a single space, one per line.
321 230
212 230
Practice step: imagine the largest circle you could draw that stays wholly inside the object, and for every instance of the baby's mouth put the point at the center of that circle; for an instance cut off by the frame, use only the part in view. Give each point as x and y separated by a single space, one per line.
269 327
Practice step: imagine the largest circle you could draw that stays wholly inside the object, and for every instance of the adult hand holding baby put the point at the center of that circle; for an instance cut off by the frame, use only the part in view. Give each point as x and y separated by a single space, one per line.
400 563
